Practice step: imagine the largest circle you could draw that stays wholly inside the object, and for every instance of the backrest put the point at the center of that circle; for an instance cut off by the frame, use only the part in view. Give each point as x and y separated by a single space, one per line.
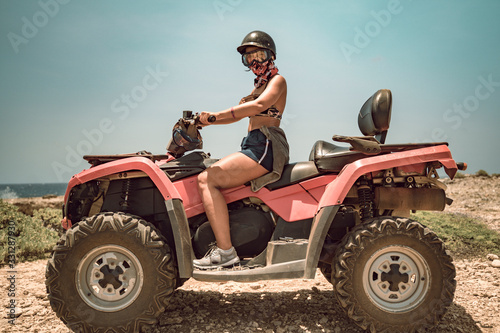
375 115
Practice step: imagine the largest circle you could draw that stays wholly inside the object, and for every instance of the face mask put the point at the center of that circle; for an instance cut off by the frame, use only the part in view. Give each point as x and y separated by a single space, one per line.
264 72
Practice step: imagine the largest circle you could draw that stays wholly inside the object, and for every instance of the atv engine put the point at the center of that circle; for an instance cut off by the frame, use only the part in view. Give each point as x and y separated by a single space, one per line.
251 230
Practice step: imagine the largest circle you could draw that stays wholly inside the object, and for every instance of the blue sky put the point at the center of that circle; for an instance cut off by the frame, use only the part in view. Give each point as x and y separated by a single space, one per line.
105 77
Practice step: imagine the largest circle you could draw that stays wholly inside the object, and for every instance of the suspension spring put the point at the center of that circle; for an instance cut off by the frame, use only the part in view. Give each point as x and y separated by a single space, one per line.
365 198
126 192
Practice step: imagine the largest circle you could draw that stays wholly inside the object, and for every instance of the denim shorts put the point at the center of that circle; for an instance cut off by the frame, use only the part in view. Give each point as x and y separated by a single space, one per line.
259 148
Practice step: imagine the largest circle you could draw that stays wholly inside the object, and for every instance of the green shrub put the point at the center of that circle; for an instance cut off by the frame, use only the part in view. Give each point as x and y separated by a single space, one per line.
462 235
33 237
50 218
482 173
459 175
495 175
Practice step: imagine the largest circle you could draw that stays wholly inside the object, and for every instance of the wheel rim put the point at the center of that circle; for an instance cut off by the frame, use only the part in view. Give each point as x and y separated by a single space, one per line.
109 278
396 278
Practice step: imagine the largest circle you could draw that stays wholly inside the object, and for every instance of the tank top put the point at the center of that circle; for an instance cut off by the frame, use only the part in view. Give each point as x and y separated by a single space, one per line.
272 111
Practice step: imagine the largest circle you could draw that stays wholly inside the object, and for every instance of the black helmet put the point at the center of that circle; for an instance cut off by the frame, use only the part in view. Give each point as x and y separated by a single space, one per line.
259 39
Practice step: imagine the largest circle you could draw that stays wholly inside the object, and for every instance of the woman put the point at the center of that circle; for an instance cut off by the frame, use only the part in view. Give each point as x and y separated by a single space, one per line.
264 150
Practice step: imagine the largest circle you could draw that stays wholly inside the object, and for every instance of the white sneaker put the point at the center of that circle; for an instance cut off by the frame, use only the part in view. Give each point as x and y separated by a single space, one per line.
216 258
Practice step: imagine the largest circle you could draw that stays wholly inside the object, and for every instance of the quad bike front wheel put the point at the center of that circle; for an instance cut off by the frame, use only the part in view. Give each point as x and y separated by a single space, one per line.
326 270
393 274
110 273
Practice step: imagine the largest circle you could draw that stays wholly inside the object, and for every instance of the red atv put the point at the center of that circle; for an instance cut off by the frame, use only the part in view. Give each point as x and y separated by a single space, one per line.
135 223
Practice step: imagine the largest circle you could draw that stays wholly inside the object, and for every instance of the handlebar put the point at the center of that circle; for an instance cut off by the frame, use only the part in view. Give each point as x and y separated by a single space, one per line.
197 121
188 116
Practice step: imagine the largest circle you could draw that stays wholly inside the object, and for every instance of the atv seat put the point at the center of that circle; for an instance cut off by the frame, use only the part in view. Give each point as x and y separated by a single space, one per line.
330 157
294 173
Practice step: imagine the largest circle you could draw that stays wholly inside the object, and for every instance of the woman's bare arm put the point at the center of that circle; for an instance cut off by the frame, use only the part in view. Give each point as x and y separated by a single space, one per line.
270 96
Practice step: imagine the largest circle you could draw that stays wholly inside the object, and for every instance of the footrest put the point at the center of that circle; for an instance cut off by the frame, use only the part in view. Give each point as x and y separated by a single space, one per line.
281 251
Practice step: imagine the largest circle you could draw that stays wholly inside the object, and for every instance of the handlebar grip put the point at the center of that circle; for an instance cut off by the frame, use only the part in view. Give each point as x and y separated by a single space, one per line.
211 119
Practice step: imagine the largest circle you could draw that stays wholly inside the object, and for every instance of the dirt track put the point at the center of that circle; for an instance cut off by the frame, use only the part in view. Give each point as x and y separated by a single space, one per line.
289 305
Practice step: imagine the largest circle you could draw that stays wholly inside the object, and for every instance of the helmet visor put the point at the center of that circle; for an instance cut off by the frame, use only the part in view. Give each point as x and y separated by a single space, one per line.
182 139
259 55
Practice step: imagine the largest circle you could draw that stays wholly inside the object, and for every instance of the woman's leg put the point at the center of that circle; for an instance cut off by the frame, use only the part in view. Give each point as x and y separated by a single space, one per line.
233 170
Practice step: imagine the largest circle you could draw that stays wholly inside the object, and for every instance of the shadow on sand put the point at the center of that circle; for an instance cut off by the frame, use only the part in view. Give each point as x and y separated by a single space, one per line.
309 310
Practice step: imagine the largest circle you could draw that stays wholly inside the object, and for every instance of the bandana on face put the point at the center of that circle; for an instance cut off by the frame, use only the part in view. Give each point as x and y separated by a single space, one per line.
264 72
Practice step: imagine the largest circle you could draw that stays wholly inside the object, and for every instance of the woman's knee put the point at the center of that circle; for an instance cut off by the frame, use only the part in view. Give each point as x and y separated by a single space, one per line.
203 179
206 179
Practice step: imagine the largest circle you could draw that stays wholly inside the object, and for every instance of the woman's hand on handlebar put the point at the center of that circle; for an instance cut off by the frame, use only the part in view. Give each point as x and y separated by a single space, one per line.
206 118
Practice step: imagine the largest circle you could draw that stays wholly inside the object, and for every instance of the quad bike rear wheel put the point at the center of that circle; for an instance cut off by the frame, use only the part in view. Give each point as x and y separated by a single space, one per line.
110 273
393 274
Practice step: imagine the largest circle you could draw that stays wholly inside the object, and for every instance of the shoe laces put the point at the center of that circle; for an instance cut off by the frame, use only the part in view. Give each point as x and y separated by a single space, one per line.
212 248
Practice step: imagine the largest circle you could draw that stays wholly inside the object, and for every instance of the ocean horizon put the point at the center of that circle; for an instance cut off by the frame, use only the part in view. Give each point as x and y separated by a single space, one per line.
15 191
